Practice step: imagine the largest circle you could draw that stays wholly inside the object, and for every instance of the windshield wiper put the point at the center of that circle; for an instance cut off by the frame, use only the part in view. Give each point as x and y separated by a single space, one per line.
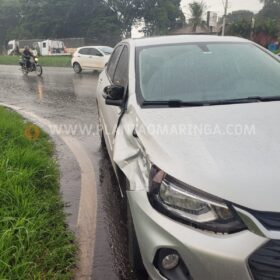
180 103
251 99
267 98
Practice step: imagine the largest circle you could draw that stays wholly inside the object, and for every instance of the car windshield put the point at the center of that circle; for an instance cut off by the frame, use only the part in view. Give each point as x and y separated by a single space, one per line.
206 72
107 50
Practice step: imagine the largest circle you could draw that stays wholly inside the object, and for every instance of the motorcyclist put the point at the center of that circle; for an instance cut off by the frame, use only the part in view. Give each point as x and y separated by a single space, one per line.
27 54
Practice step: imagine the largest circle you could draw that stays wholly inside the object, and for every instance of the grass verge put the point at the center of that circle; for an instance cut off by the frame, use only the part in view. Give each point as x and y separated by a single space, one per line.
54 61
35 242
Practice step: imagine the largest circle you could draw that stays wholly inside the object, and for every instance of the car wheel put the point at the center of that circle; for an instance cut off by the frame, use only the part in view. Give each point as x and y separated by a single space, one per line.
77 68
134 253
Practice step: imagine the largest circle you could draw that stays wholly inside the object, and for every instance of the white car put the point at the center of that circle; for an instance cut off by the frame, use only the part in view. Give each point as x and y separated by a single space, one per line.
191 125
91 58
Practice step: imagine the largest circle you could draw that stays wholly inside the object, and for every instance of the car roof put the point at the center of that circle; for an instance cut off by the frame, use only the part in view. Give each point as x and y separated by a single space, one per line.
96 47
142 42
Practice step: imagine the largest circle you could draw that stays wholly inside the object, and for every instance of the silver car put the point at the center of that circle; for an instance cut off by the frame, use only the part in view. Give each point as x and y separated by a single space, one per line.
191 127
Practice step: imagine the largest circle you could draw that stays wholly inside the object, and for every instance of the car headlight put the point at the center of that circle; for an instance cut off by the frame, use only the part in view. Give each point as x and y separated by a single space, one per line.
191 206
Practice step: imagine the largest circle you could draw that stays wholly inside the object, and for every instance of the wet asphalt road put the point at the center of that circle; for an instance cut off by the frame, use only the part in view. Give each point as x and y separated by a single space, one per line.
67 99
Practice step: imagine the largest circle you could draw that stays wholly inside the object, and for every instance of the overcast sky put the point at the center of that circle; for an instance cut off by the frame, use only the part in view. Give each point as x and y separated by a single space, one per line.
217 5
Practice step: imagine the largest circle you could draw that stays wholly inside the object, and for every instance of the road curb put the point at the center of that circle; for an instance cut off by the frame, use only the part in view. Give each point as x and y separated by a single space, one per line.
86 223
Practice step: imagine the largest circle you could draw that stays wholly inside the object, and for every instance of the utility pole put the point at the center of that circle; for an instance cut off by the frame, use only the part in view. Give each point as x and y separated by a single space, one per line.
252 28
224 19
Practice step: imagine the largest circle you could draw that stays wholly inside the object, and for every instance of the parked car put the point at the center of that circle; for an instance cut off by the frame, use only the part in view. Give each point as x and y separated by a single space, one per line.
91 58
202 203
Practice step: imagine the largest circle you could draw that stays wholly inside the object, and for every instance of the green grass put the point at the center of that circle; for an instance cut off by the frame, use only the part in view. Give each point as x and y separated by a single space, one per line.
54 61
35 242
9 60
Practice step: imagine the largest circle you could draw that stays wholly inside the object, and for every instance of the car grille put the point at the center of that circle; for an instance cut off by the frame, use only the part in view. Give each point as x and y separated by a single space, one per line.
265 262
270 220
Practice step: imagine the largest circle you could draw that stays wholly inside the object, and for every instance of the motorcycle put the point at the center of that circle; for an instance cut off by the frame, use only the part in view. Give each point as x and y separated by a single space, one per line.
34 66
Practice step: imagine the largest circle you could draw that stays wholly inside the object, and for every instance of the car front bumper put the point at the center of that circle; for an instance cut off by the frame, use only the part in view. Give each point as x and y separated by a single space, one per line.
207 255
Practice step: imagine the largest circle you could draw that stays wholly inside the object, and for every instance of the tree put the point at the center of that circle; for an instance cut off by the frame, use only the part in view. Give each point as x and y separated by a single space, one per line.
268 19
267 23
197 10
241 28
239 23
240 15
270 10
267 2
29 19
42 18
161 16
127 12
269 27
106 21
104 26
9 18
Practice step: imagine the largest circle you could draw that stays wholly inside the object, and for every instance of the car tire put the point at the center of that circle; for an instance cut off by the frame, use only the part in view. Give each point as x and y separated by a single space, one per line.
77 68
101 133
102 140
134 253
39 70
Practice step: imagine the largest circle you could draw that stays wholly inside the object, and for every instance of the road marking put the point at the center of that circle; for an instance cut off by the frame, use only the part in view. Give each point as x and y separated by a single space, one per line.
86 224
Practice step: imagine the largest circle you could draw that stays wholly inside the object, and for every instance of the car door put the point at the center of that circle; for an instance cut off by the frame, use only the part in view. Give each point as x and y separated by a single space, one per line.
83 57
115 73
96 59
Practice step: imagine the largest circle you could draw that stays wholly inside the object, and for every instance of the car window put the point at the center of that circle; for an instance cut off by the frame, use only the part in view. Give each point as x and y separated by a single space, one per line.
85 51
121 73
113 62
95 52
107 50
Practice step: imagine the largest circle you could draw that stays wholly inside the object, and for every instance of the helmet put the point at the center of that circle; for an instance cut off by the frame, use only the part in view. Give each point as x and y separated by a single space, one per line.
26 47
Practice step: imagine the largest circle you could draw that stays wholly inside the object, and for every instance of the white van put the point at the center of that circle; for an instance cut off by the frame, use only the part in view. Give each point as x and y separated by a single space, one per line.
50 47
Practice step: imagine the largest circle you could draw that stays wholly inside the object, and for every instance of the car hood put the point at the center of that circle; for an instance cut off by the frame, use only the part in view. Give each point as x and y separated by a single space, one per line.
199 146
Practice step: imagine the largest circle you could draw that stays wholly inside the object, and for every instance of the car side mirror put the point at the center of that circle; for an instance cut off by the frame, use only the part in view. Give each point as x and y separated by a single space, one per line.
114 95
